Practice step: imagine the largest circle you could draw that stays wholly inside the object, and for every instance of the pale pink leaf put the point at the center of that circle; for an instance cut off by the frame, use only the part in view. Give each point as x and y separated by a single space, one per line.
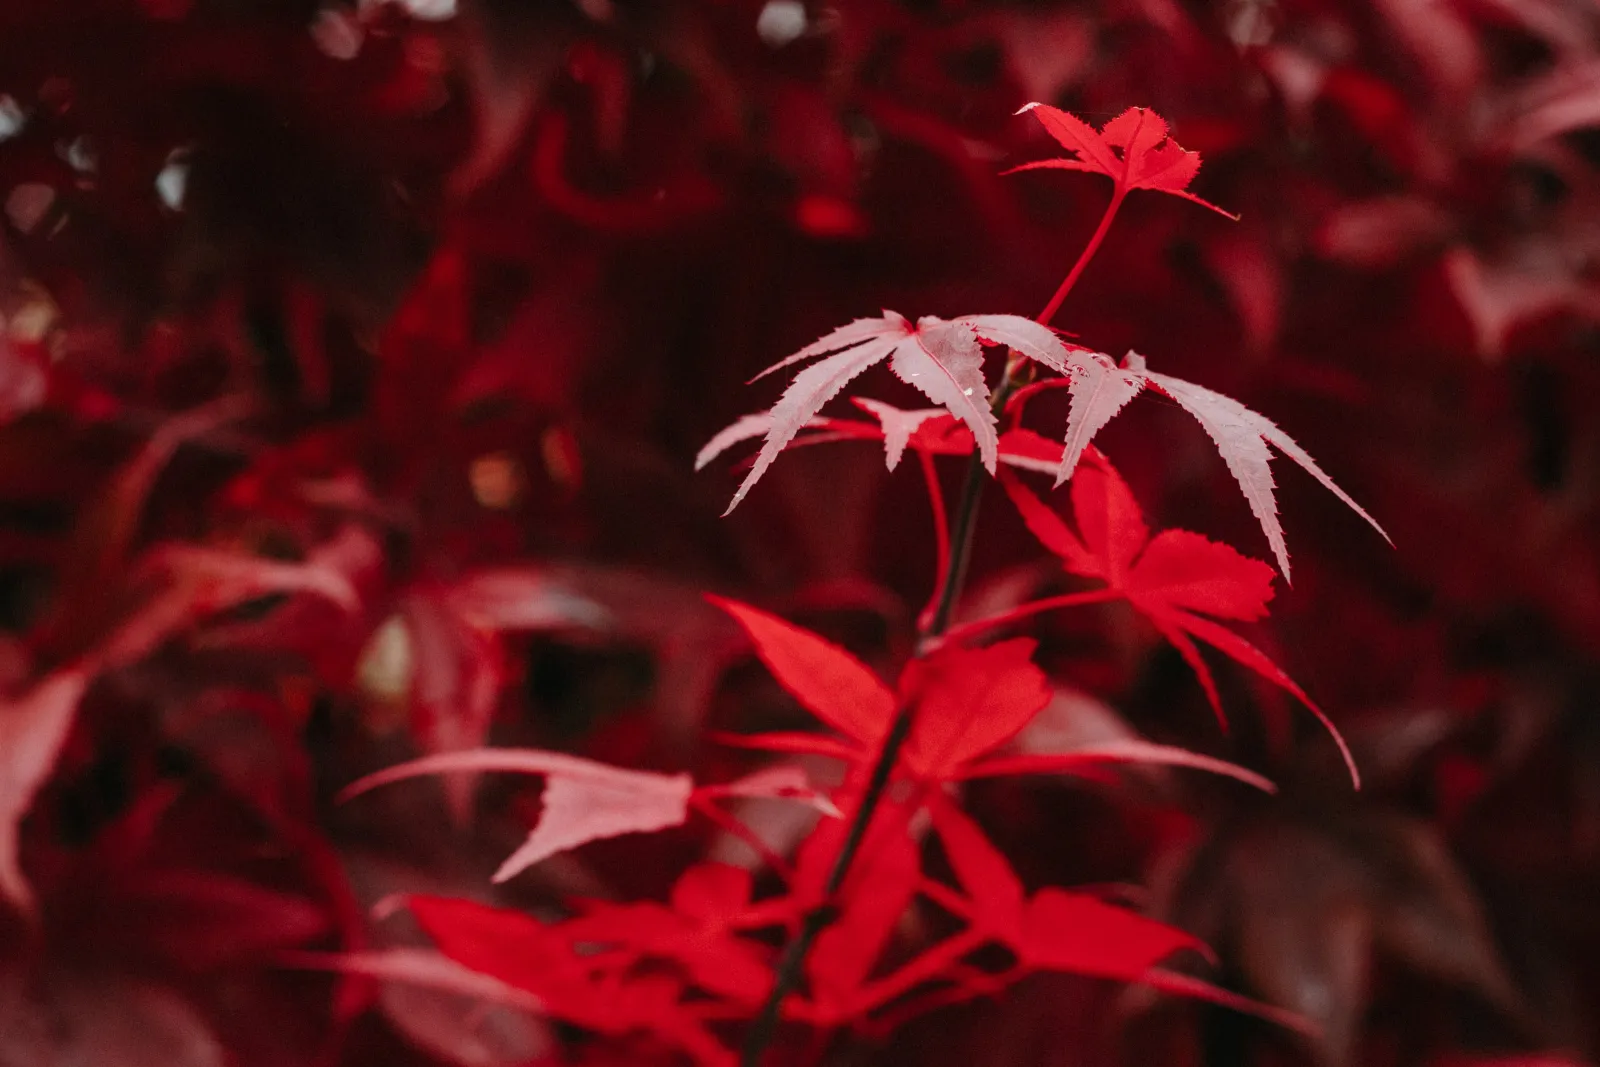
524 598
457 670
1131 751
577 810
583 800
32 731
1038 342
233 577
898 426
785 781
1242 436
418 967
945 362
810 390
743 428
1099 390
847 336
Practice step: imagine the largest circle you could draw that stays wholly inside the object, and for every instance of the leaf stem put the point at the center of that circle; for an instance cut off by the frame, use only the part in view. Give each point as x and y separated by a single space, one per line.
1084 257
787 977
1033 607
761 1031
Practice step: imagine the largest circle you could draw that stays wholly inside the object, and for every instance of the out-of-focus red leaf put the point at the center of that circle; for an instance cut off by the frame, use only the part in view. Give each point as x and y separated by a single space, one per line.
72 1018
419 967
457 1014
457 670
540 959
1075 932
208 919
583 800
33 728
524 598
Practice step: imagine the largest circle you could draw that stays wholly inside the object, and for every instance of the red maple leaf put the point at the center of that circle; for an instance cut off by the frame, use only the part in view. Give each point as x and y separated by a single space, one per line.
968 703
580 987
1179 580
1134 150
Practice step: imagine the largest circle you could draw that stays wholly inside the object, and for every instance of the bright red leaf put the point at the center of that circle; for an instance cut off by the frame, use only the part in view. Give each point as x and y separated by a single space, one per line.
829 682
880 886
968 702
544 960
1075 932
1174 579
696 932
1134 150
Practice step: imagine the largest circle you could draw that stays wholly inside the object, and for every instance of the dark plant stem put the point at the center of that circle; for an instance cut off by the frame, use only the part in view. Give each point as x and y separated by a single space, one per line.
787 977
759 1036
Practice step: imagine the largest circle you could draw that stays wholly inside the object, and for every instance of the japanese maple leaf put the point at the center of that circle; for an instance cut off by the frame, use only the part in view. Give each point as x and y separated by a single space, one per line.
968 704
582 800
1075 932
1134 150
1179 580
1055 929
931 430
969 700
193 582
419 968
585 801
944 359
543 960
708 903
1099 389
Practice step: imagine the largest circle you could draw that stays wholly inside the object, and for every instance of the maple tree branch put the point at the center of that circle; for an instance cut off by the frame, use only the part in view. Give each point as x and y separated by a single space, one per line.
1084 257
787 977
948 590
955 573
